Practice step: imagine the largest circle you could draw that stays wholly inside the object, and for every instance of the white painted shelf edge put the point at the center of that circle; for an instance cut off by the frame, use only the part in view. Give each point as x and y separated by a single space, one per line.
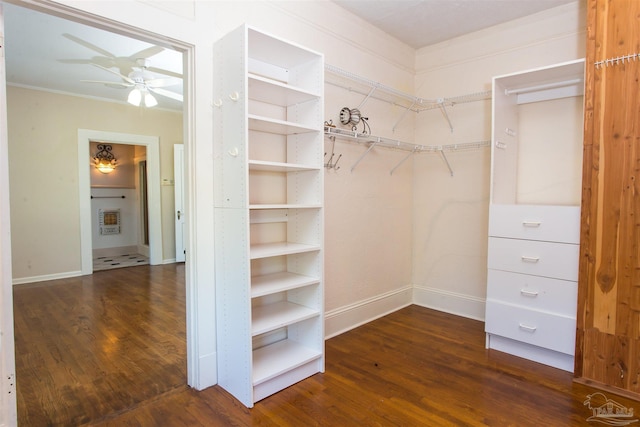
281 248
263 165
270 125
277 282
284 206
269 317
276 359
268 90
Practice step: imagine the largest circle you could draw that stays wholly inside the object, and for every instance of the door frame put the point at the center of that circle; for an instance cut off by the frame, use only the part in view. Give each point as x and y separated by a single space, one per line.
152 144
201 368
8 401
178 191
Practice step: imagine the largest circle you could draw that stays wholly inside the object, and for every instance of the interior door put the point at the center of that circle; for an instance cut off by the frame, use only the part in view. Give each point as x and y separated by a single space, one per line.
178 179
8 414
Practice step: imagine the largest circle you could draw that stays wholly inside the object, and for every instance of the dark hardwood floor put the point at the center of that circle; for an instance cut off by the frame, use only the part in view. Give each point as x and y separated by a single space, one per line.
111 362
95 345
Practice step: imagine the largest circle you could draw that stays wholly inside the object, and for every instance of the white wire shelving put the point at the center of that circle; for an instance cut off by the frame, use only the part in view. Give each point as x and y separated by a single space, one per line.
373 141
374 90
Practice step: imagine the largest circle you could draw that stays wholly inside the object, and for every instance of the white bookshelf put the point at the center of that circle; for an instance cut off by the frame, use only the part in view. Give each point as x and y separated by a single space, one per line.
268 207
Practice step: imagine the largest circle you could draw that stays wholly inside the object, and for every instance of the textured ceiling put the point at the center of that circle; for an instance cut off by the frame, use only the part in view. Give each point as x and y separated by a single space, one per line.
46 52
420 23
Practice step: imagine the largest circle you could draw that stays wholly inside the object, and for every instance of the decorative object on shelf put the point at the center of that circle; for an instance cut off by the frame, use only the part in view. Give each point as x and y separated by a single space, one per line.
104 159
353 116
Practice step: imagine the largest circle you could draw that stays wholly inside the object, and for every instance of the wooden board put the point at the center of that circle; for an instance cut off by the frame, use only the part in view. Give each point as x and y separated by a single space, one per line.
609 279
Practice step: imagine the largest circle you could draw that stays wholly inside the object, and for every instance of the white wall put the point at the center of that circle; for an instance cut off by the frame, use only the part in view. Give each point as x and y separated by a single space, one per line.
451 213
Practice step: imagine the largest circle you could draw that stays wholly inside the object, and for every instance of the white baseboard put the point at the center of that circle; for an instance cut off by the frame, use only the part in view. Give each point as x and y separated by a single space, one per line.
45 277
206 374
449 302
351 316
169 261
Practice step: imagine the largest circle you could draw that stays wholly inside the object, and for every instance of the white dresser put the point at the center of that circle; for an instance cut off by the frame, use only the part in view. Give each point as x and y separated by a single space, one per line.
534 214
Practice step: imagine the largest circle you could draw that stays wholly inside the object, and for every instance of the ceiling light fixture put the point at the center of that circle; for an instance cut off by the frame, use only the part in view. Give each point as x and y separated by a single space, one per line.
139 92
104 159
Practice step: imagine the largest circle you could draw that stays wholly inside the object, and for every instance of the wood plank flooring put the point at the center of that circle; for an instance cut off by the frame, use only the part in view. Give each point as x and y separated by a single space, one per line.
94 345
414 367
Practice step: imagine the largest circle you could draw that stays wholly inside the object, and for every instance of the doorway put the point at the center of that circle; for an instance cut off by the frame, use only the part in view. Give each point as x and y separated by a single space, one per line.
7 350
152 146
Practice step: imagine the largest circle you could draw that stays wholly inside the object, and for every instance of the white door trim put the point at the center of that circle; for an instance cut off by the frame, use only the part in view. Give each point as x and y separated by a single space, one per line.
152 144
179 208
200 294
8 403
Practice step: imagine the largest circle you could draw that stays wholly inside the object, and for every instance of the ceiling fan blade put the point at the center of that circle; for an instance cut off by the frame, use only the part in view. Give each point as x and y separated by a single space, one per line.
75 61
156 83
123 77
167 93
146 53
117 85
165 72
89 45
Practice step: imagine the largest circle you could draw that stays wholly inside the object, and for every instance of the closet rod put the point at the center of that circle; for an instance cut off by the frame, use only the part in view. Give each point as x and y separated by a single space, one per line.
378 141
546 86
400 145
107 197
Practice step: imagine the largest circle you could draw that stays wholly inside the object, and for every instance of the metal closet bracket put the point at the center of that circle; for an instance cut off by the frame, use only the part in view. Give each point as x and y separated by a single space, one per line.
415 149
444 157
393 129
443 108
373 144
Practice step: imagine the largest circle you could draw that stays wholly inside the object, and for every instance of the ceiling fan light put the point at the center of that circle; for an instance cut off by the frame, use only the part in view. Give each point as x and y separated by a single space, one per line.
135 96
150 100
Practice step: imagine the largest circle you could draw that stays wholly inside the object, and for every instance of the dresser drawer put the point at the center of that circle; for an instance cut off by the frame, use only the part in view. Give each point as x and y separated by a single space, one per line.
556 260
538 328
535 222
533 292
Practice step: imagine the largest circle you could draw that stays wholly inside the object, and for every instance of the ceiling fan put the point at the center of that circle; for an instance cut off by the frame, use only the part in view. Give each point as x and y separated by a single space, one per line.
134 71
125 64
144 84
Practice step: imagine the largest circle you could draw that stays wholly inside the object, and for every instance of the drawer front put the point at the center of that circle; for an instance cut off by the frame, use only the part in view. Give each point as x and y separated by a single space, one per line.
533 292
535 222
545 330
556 260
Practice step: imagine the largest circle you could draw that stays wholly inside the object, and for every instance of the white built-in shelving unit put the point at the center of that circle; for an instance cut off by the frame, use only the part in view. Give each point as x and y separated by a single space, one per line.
268 205
534 214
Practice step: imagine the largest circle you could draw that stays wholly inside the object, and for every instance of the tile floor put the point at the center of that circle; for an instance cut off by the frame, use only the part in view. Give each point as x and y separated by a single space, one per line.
118 261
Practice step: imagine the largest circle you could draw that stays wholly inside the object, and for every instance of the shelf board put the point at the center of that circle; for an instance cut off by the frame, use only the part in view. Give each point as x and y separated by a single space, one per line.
285 206
282 248
278 358
269 317
262 165
277 93
280 127
279 282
